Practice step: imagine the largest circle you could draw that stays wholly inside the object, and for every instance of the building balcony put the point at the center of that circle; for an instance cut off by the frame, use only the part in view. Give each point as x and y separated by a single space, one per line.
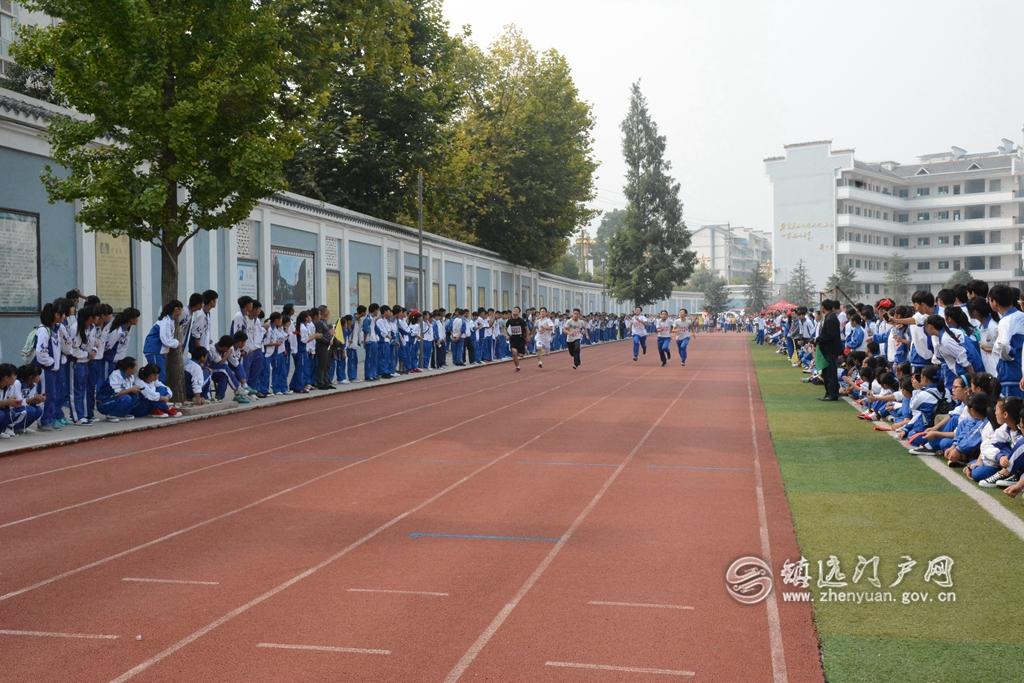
846 220
930 252
935 201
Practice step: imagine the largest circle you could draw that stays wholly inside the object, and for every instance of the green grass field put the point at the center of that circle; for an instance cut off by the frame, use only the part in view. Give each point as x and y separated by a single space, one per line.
855 492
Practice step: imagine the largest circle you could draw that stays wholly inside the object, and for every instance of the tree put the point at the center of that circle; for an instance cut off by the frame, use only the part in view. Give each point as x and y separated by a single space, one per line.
758 289
800 289
37 83
699 279
716 296
611 223
845 280
897 278
518 168
386 117
960 277
567 266
648 255
198 103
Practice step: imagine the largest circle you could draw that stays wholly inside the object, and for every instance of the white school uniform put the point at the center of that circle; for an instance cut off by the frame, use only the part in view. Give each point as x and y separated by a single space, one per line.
118 382
196 376
149 389
637 325
167 340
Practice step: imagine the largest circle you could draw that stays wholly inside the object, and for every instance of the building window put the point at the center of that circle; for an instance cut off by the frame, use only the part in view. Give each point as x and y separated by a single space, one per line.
885 215
923 191
856 210
943 265
974 212
903 242
956 214
974 263
956 240
923 216
993 237
885 241
943 189
924 265
975 238
902 218
857 263
956 189
904 193
943 216
942 239
956 264
974 186
995 211
924 241
995 262
995 185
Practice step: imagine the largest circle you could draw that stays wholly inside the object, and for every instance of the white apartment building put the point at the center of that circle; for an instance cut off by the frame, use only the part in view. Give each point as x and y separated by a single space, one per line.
947 212
730 251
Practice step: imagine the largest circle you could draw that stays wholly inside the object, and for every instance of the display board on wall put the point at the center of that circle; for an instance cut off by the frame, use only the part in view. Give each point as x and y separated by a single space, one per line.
453 294
435 302
114 270
364 288
19 262
392 291
334 293
412 291
249 278
293 275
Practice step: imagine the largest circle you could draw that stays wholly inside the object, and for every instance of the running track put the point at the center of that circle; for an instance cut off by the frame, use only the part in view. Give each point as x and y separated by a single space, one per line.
546 525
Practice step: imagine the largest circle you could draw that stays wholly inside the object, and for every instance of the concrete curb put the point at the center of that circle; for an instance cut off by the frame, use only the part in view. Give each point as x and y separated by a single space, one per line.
99 430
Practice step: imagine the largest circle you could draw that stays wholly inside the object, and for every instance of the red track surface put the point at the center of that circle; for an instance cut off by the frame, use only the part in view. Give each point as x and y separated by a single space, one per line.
281 513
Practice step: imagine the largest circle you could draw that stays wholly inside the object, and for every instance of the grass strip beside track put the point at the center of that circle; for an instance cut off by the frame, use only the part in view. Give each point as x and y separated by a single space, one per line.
853 491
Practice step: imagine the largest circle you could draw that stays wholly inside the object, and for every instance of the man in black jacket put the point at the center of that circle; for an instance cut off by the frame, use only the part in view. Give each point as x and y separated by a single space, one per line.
830 343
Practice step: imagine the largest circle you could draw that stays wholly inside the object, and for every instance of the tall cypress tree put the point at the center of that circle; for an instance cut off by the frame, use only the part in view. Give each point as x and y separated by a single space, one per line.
800 289
648 256
758 289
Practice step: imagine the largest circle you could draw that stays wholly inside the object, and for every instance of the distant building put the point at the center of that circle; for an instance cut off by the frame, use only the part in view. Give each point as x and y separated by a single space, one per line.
944 213
730 251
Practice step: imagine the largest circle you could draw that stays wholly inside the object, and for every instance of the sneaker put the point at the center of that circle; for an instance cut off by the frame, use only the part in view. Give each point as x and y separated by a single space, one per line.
128 417
518 368
921 451
663 363
46 428
540 365
954 464
63 421
345 381
289 392
111 418
174 412
993 481
1009 481
7 434
84 422
158 413
634 359
242 398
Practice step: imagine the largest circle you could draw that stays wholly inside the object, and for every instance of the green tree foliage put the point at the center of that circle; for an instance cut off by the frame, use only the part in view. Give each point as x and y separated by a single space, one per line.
758 289
716 296
567 266
897 278
611 222
386 117
648 255
700 278
960 277
844 279
800 289
518 167
37 83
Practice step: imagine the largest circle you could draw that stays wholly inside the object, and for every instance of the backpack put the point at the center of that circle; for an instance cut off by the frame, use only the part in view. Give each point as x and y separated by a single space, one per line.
942 406
28 351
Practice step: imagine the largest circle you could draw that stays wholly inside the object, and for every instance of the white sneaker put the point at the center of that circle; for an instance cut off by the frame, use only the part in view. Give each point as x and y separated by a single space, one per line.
128 417
111 418
345 381
1009 481
7 433
84 422
993 481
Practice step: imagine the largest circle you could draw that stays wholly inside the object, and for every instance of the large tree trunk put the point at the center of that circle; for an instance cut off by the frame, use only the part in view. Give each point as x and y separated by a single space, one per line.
168 292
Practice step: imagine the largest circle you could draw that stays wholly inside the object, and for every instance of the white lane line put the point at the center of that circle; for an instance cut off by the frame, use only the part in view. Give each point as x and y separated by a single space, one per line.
324 648
637 604
242 609
50 634
272 496
474 650
624 669
778 654
177 443
385 590
955 477
183 581
240 458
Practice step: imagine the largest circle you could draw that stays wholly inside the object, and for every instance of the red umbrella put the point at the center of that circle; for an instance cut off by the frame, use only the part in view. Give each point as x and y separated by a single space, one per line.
781 305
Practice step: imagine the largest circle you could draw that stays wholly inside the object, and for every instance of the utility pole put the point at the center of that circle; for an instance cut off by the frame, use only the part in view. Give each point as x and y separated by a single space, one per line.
419 221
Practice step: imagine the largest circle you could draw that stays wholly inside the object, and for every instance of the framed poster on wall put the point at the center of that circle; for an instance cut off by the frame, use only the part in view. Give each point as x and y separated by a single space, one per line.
435 291
334 293
114 270
19 262
392 291
249 278
293 275
364 289
453 294
412 291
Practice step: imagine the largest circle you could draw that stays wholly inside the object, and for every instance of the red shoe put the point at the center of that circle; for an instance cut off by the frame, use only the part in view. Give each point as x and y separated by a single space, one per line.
158 413
173 412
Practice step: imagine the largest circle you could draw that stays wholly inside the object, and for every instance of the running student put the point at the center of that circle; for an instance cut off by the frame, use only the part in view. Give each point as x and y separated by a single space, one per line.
681 328
574 331
638 328
517 332
545 330
664 331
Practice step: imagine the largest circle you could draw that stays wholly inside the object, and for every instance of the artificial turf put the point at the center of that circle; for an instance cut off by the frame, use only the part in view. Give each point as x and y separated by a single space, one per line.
853 491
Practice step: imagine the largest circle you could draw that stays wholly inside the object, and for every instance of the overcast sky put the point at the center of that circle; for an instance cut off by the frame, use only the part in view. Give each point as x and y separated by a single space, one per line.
729 82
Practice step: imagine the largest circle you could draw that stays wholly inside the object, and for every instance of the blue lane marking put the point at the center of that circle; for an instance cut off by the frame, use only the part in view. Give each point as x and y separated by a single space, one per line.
566 462
701 467
485 537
